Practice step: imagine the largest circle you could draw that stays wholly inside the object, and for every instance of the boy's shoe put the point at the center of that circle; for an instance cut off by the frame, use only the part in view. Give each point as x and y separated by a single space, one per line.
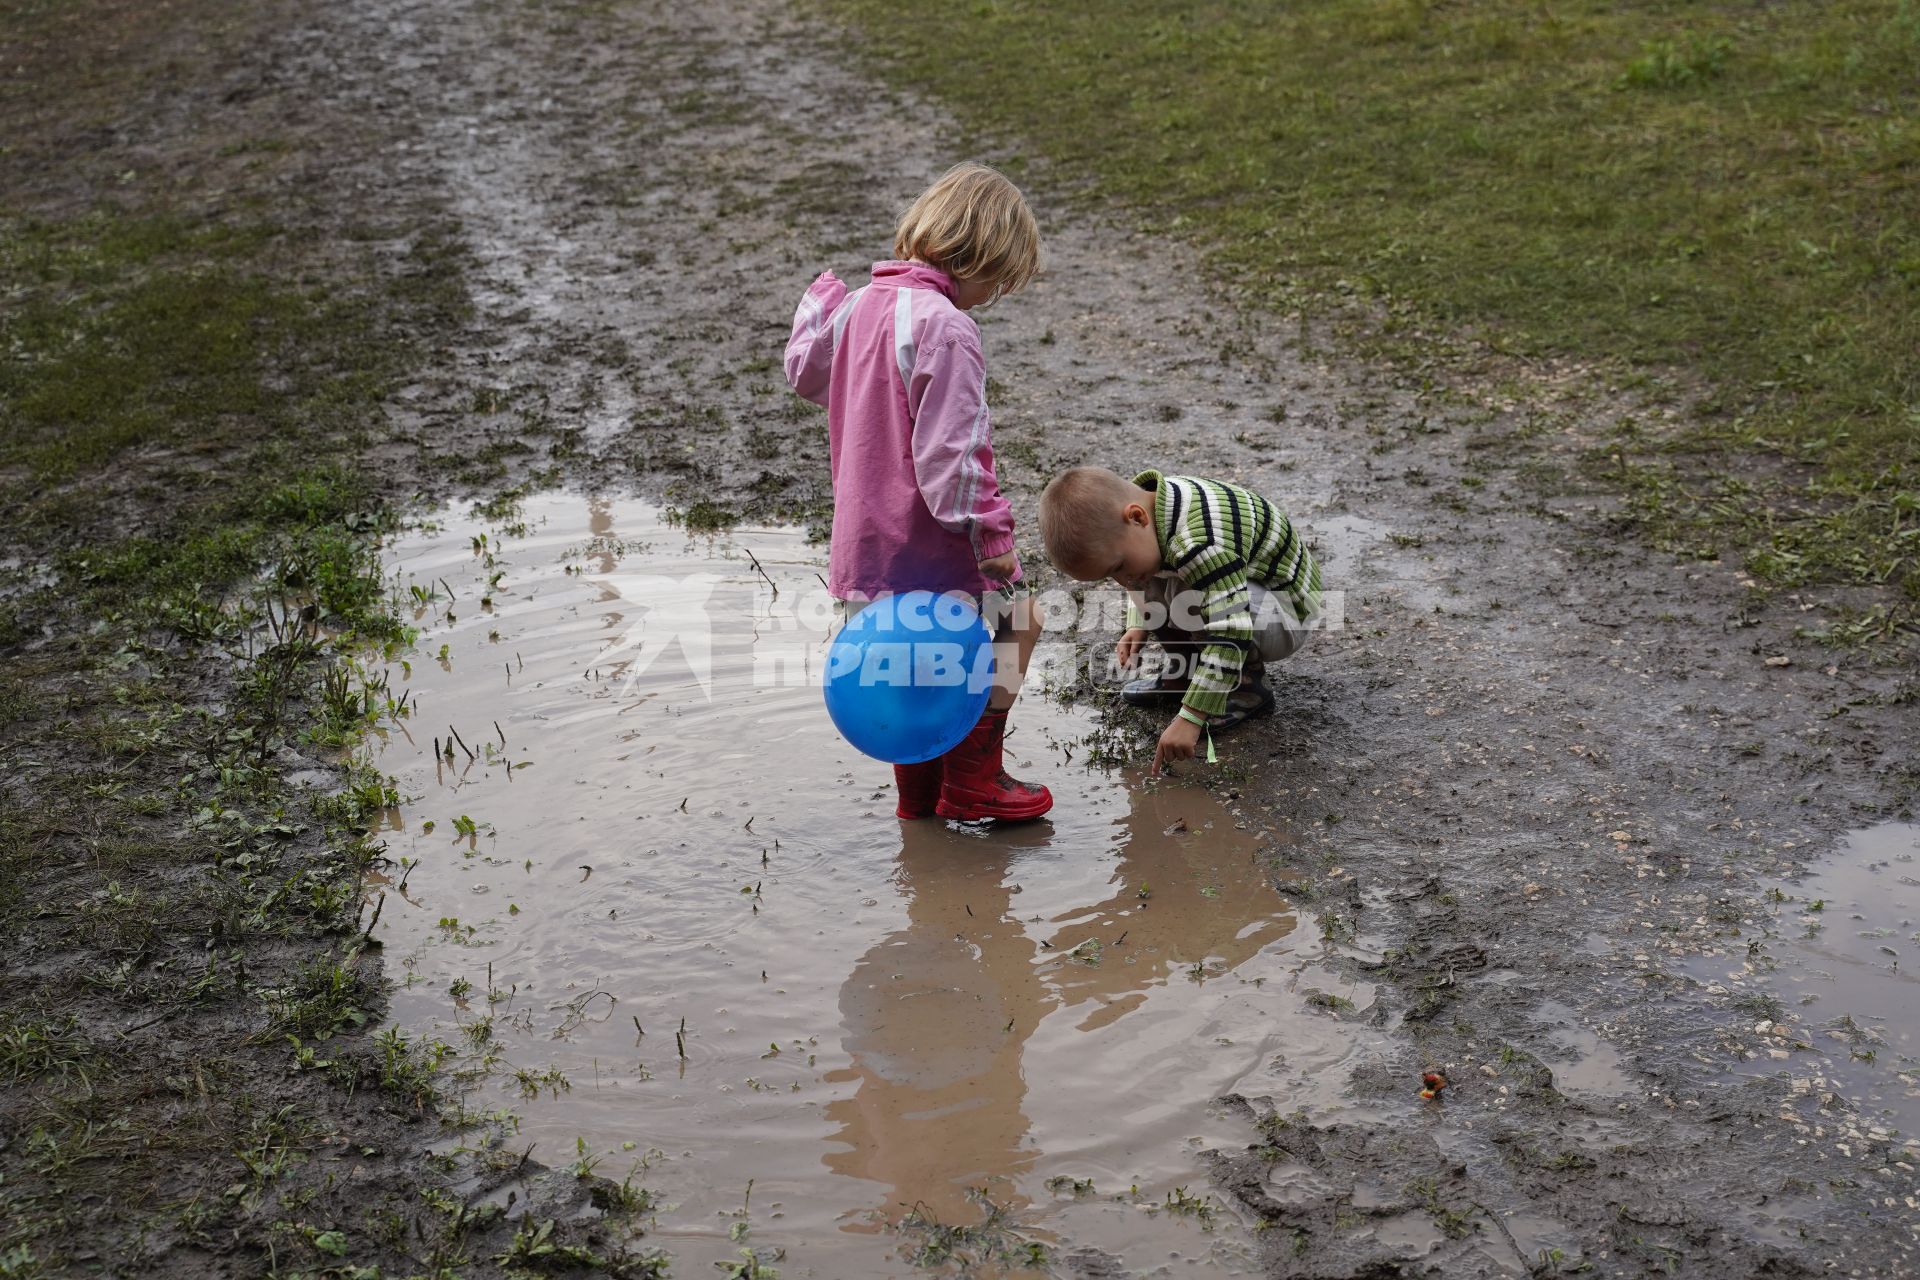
1248 702
918 788
976 786
1153 691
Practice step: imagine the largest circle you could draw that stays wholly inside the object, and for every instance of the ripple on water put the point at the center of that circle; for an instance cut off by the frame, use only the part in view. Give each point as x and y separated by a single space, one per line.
876 1014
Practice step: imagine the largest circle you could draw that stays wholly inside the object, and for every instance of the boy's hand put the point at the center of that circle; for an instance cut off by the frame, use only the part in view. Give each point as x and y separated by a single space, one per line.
1177 743
1127 652
1000 568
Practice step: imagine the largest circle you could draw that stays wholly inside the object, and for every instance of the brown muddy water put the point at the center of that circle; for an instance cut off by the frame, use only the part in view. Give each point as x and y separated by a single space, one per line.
883 1021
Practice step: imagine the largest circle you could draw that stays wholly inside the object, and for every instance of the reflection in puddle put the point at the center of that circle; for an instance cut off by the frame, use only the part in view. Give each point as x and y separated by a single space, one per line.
676 918
940 1013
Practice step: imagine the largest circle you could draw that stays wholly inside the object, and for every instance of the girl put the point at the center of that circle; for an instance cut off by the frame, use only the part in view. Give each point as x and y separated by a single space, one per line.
897 363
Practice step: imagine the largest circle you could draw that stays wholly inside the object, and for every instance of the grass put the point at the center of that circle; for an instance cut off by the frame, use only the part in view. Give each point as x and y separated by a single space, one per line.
183 572
1711 197
194 369
193 588
159 348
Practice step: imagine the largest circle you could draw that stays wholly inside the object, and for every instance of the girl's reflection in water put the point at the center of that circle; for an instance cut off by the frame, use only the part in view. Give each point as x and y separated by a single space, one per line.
938 1013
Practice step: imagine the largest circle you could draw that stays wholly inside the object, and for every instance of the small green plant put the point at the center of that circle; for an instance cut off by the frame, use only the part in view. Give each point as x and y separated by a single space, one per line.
534 1248
532 1082
34 1048
1086 952
705 517
584 1159
328 1242
1553 1262
1336 926
624 1196
749 1266
407 1070
1665 64
1203 1209
1330 1002
995 1240
19 1262
453 931
1566 1161
1453 1223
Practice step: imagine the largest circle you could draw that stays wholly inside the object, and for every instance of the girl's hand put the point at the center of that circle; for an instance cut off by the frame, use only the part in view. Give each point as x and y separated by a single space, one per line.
1000 568
1127 652
1177 743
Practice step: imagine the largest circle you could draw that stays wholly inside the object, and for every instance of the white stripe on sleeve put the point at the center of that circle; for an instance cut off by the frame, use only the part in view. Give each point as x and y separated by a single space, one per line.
903 352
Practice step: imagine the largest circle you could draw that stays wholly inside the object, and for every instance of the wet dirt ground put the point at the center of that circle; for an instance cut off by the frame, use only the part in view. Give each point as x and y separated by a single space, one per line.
1538 793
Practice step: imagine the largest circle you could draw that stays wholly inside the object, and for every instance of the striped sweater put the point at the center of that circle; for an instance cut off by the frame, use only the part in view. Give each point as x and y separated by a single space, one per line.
1216 538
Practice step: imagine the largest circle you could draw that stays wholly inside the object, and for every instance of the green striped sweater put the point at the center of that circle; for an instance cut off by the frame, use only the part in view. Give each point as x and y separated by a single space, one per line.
1216 538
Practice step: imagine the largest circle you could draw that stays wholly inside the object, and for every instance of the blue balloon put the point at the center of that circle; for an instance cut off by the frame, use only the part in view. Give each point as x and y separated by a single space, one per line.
909 675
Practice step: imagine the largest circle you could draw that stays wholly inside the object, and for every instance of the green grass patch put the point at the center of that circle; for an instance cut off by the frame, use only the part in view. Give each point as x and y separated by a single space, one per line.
192 551
125 332
1720 188
167 390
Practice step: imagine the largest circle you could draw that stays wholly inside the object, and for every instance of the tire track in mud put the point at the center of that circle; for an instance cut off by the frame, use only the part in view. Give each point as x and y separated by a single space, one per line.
1538 770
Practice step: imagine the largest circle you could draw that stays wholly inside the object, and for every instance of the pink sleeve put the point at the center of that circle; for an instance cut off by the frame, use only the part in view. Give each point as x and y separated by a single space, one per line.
810 349
953 445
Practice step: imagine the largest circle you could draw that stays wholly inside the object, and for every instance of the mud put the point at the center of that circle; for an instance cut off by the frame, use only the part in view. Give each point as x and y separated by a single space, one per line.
1536 793
1824 966
1549 768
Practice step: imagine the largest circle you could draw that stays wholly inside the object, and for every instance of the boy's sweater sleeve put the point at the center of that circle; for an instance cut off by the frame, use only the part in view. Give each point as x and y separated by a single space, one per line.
1217 576
953 445
810 349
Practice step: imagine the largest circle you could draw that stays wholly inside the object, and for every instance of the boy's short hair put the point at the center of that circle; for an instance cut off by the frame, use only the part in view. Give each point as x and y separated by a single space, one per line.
973 224
1080 515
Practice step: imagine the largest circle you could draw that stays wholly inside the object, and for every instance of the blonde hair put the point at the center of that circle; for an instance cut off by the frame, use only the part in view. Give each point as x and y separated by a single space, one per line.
973 224
1080 516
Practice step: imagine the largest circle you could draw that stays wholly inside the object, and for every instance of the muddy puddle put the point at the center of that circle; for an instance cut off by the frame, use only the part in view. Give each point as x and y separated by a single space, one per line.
666 917
1830 982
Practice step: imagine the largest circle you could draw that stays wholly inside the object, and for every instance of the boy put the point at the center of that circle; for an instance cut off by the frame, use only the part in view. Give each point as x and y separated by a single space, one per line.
1217 573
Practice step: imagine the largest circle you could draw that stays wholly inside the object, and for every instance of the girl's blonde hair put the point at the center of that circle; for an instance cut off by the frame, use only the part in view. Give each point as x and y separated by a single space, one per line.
973 224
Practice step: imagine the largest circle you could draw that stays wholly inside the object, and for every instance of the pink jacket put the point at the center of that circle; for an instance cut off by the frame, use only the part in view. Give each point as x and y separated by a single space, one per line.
916 504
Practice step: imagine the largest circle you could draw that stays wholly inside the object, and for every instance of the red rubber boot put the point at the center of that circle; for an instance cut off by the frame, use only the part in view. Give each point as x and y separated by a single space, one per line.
918 787
977 787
